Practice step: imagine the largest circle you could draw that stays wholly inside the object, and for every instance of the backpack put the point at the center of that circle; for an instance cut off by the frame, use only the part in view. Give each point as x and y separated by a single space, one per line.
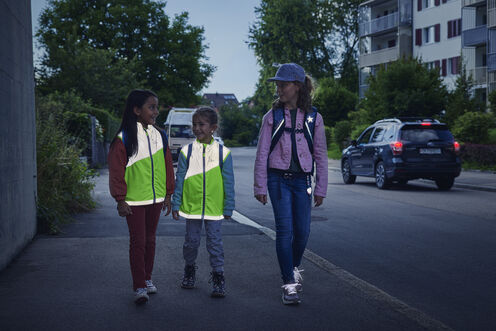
278 127
221 156
165 141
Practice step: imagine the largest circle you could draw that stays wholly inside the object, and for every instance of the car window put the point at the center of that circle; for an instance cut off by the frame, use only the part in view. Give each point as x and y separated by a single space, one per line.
378 134
181 131
389 134
365 137
420 134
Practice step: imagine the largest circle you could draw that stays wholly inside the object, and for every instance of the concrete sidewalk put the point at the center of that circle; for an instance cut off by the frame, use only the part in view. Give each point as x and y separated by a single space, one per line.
469 179
80 280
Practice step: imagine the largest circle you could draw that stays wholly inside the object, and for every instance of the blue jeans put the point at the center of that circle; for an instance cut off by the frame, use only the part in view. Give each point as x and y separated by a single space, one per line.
292 206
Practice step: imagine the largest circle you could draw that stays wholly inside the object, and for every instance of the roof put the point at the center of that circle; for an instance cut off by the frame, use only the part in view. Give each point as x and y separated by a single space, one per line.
218 100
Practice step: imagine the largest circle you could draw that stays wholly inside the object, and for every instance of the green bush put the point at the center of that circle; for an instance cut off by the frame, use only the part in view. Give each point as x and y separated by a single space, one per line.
63 181
328 134
478 156
341 133
473 127
355 133
492 136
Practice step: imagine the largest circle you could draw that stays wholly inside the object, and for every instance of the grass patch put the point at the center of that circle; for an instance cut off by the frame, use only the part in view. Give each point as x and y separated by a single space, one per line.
476 166
334 152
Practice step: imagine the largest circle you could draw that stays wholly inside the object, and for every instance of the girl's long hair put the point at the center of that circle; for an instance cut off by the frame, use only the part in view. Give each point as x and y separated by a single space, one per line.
304 101
136 98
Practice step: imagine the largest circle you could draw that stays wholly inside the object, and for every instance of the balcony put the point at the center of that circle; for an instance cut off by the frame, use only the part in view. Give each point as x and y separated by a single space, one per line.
379 57
475 37
469 3
491 62
377 25
479 75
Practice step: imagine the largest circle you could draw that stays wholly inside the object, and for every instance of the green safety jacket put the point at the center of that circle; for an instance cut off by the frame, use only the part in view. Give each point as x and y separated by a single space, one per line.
203 190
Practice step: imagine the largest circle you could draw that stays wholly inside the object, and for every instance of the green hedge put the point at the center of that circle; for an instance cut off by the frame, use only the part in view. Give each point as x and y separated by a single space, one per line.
477 154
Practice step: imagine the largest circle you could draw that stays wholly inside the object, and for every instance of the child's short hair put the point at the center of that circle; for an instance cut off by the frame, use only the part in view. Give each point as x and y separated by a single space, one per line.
207 112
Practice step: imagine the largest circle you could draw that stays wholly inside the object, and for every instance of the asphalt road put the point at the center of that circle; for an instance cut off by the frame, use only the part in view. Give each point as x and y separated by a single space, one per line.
434 250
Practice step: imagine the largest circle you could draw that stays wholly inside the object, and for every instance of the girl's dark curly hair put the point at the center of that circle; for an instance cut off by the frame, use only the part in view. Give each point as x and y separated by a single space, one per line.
136 98
304 96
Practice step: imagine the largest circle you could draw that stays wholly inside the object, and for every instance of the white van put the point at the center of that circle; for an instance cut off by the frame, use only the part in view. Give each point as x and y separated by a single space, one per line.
179 129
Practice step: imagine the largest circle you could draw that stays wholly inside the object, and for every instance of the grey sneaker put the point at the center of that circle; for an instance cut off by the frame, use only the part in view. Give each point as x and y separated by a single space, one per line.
298 278
290 294
150 288
141 296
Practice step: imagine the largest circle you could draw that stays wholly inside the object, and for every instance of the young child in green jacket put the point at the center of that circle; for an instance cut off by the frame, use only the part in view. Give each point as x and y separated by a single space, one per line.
204 193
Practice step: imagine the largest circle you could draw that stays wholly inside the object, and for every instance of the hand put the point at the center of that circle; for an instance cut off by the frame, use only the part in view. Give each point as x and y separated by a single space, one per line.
175 215
123 208
318 200
167 205
227 217
261 197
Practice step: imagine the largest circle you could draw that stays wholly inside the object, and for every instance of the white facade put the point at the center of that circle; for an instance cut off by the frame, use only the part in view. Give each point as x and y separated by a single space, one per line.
440 30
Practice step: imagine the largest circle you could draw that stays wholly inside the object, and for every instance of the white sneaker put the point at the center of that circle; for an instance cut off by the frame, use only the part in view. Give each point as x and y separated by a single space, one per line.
141 296
298 278
290 294
150 288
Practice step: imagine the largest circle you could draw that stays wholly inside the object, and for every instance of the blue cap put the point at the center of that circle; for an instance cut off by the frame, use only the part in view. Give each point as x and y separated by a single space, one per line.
289 72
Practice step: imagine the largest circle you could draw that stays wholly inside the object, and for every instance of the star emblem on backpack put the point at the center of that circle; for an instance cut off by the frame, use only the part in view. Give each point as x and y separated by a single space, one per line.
309 119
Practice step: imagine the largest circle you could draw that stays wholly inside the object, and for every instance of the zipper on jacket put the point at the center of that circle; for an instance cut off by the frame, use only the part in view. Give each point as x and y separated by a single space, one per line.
151 160
203 205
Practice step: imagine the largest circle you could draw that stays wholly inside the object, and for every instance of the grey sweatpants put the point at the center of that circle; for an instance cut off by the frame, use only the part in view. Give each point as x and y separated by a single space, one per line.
215 246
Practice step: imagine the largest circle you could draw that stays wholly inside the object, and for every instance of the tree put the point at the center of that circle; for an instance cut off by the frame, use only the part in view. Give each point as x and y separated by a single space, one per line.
321 36
461 101
404 88
333 101
238 125
166 55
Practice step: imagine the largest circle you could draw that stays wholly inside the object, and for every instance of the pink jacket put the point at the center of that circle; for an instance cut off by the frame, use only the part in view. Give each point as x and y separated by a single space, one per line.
280 157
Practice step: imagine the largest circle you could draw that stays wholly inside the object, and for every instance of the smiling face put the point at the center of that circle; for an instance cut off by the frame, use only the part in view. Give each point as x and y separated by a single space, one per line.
147 114
288 93
202 129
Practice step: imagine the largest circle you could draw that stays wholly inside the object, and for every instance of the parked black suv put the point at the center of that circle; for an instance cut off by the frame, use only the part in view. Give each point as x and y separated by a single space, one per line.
401 149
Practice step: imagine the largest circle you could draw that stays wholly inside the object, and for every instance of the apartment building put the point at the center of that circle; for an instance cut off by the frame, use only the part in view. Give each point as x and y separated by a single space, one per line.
479 44
385 32
437 29
426 29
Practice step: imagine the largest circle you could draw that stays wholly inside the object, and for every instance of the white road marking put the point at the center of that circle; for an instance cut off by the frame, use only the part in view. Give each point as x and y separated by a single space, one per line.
367 289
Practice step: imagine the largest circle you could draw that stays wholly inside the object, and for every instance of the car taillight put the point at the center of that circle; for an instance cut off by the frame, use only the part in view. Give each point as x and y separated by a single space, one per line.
397 147
456 146
425 123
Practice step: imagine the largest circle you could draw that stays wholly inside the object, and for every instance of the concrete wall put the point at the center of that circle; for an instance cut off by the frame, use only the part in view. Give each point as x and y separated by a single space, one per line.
17 130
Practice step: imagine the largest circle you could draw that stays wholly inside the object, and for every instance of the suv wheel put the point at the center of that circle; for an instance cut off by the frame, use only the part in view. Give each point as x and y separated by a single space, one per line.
381 180
348 178
445 183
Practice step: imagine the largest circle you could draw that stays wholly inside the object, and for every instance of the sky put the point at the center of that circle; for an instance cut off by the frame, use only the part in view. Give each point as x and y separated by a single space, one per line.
226 24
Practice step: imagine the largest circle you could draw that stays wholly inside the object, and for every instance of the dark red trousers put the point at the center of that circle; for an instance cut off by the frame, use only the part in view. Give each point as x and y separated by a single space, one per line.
142 226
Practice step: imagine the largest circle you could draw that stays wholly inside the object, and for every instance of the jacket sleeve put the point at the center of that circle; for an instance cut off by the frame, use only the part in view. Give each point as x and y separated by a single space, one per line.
117 161
228 180
263 149
182 168
169 170
320 156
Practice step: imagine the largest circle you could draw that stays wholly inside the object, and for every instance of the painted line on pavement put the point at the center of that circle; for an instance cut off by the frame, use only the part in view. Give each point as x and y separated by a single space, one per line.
367 289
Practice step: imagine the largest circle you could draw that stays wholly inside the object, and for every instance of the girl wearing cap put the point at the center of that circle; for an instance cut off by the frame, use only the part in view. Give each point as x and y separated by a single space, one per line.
284 167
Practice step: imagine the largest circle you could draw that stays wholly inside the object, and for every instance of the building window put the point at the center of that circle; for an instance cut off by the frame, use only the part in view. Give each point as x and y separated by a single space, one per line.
454 64
428 3
454 28
429 34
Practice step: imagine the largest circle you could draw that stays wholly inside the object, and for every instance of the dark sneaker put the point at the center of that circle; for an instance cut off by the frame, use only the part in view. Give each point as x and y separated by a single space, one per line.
218 284
298 278
290 294
189 276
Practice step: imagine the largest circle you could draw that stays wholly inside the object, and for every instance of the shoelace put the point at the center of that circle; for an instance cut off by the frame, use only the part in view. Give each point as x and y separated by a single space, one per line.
290 288
141 291
297 274
149 283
